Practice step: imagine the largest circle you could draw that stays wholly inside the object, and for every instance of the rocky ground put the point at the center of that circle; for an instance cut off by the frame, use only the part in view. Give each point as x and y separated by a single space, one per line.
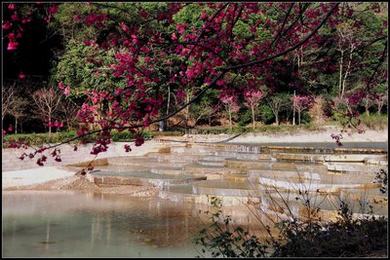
19 174
27 175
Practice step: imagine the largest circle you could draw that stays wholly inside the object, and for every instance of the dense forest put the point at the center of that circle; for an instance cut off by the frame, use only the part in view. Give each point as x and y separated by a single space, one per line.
84 66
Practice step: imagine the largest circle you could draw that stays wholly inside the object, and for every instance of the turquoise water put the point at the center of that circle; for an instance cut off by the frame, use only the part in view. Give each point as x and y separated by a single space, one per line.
59 224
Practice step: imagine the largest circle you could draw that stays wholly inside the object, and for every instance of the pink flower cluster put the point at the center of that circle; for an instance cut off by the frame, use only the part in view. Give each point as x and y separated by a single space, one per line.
302 102
56 124
252 96
65 89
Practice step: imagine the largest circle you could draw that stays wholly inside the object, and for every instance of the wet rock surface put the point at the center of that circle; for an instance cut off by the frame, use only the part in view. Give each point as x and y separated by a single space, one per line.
241 174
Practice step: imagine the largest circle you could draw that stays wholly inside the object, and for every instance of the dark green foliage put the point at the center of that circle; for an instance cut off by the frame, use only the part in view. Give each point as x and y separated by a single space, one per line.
266 114
245 118
41 138
45 138
305 117
219 130
346 237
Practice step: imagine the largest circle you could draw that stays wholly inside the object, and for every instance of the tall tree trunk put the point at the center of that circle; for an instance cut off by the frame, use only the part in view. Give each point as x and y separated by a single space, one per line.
341 73
380 105
299 117
49 125
168 105
277 118
230 118
294 109
16 125
301 54
367 111
367 105
68 123
347 70
253 117
187 114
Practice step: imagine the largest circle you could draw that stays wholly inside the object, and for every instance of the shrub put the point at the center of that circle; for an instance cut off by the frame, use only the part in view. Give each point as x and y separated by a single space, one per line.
219 130
244 118
45 138
316 112
224 240
299 237
41 138
266 114
345 237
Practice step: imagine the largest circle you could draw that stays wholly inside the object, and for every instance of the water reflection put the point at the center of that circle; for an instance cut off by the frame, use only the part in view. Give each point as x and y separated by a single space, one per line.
80 225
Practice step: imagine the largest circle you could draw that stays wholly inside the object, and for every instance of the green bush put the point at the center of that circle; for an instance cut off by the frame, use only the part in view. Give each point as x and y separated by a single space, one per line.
266 114
57 137
122 136
310 238
305 117
167 133
345 237
215 130
223 240
245 118
41 138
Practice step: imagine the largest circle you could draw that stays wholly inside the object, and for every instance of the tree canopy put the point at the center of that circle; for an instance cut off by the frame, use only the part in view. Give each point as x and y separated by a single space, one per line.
125 63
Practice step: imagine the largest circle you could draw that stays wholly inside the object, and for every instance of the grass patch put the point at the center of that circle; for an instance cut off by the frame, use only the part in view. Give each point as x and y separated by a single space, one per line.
374 121
269 129
57 137
40 138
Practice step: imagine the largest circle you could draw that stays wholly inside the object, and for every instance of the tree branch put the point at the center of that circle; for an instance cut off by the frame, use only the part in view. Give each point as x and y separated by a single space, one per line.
204 90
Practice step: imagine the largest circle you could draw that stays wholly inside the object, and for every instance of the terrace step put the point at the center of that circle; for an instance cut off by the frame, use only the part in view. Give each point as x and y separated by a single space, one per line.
328 157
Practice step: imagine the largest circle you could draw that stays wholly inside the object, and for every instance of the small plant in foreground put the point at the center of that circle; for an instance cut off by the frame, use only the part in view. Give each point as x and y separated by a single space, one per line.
298 236
221 239
381 177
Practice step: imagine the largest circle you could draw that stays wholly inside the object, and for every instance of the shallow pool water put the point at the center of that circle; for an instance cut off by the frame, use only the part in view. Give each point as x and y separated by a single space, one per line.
71 224
59 224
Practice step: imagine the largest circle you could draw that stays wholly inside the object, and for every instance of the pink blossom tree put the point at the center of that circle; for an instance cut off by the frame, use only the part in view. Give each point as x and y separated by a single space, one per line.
300 103
201 55
231 106
252 100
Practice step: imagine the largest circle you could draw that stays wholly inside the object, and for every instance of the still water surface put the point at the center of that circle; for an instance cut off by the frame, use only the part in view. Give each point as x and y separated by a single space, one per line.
43 223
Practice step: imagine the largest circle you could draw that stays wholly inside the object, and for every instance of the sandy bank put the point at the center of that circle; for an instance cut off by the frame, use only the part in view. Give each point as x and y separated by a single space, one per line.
33 176
10 161
26 174
84 184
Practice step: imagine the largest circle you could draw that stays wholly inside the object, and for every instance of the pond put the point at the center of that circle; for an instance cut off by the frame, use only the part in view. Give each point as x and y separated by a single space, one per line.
59 224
